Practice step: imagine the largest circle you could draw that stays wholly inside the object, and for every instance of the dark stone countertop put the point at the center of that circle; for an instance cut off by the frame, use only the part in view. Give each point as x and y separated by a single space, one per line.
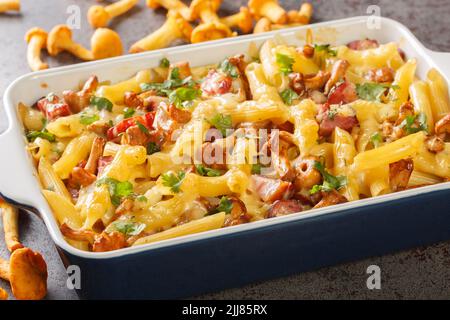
419 273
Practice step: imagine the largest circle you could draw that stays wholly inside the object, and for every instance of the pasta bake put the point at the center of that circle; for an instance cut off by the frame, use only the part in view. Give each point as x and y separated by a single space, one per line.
177 150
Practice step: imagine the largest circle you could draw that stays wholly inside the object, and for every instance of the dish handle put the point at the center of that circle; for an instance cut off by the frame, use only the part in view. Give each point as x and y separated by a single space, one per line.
16 177
442 59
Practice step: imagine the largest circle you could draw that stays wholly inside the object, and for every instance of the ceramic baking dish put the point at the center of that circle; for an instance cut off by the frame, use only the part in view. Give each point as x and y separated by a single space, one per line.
243 254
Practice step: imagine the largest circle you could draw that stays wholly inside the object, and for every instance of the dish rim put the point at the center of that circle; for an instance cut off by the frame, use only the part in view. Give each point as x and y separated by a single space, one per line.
48 215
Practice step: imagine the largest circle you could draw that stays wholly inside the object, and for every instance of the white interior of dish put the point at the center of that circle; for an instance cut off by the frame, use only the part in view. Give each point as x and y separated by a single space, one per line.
19 182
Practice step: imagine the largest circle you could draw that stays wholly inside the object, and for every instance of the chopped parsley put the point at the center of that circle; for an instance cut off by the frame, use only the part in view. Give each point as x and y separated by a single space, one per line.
207 172
230 69
152 148
173 181
372 91
285 63
222 123
414 124
225 205
183 95
117 189
88 119
128 228
164 63
289 96
142 198
142 127
44 134
101 103
376 139
166 87
256 168
128 113
330 182
326 48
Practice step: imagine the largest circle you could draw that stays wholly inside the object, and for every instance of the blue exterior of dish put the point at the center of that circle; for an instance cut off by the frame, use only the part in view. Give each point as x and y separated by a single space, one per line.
227 261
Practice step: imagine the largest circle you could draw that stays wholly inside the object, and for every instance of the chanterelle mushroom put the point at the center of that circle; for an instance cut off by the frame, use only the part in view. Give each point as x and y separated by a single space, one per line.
171 5
105 43
269 9
60 39
303 15
36 39
243 20
175 27
211 28
9 5
100 16
263 25
27 274
3 294
10 217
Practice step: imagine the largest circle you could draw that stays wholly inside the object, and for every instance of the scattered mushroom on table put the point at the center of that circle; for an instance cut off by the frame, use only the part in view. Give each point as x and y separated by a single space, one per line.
175 27
100 16
243 20
171 5
37 40
105 43
9 5
26 272
3 294
269 9
10 217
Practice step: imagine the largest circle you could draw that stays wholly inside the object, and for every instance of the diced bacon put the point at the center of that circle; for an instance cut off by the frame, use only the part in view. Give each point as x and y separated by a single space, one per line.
179 115
399 174
363 44
271 190
121 127
342 117
330 198
284 207
53 107
343 93
216 83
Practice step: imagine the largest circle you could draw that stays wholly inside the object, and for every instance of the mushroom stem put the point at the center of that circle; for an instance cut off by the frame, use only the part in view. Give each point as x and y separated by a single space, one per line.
36 39
120 7
4 269
208 15
79 51
303 15
269 9
171 5
10 216
242 19
175 27
9 5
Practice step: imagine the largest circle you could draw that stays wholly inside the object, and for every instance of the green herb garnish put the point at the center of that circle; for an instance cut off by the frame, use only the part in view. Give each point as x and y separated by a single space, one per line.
414 124
142 127
207 172
225 205
142 198
326 48
371 91
173 181
101 103
44 134
230 69
222 123
330 182
256 168
376 139
152 148
289 96
117 189
88 119
285 63
128 113
182 95
128 228
164 63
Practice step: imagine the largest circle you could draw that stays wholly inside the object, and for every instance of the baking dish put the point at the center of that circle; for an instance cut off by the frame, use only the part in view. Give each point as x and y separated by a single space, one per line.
234 256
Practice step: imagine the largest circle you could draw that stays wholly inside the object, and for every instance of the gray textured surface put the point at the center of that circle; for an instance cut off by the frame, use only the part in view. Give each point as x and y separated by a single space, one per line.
420 273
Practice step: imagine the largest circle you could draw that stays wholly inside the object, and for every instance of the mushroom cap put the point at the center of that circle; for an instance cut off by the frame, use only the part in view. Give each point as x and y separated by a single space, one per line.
199 5
153 4
210 31
106 43
97 16
57 38
246 23
3 294
262 25
183 25
28 275
35 32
